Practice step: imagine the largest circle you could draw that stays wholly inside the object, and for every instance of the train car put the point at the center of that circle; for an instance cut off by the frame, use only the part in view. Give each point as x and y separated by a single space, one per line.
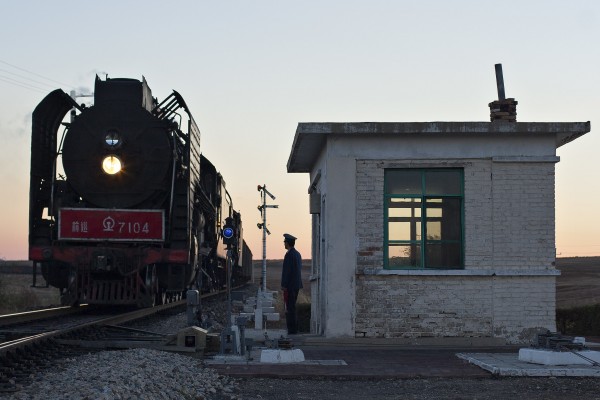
124 208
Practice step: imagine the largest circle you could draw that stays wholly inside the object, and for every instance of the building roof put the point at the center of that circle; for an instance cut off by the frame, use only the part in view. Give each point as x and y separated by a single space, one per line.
311 136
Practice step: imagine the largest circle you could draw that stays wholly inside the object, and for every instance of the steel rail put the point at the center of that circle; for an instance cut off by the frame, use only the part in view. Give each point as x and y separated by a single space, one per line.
121 318
113 320
30 316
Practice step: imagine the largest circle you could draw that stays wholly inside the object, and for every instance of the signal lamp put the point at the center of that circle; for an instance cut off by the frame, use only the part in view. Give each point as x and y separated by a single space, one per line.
111 164
228 232
112 139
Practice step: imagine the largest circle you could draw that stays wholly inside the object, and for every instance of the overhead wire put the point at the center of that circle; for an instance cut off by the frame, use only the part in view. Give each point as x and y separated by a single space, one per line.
23 82
38 75
22 85
27 78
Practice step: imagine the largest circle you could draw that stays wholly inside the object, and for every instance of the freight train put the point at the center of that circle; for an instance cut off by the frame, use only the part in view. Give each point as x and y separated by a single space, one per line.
124 208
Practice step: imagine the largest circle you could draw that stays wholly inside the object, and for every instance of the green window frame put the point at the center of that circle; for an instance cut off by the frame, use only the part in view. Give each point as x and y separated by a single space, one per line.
424 218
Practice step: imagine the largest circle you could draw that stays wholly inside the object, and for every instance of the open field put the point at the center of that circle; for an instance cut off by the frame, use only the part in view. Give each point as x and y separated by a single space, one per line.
578 285
16 293
274 284
274 274
579 282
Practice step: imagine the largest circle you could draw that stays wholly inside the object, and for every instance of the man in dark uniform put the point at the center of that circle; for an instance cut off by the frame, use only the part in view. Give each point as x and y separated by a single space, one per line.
291 282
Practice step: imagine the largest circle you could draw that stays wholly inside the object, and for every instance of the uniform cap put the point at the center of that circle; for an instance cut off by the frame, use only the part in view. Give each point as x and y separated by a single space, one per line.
288 237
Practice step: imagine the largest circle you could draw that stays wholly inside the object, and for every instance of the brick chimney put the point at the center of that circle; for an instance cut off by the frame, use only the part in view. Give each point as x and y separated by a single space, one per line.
502 109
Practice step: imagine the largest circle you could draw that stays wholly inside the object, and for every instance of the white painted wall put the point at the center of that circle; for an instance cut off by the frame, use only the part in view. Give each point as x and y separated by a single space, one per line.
340 245
440 147
318 281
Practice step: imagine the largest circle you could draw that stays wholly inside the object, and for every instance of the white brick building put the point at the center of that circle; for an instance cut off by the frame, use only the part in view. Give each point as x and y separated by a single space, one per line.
441 229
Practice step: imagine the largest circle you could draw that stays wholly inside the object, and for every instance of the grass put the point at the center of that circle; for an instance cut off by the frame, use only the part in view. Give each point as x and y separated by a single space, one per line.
3 295
16 294
580 321
274 283
302 309
303 317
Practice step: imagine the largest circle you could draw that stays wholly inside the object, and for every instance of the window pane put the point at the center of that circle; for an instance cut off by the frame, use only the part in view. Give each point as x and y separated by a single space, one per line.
404 230
403 182
434 230
404 255
433 211
443 182
399 230
424 218
443 255
404 212
404 207
404 219
443 219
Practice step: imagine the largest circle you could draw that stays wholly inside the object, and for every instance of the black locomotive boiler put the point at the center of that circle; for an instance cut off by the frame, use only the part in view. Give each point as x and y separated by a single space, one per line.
124 208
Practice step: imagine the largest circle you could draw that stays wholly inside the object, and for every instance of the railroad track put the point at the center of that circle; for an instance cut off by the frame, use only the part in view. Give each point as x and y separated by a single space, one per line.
36 337
30 316
39 337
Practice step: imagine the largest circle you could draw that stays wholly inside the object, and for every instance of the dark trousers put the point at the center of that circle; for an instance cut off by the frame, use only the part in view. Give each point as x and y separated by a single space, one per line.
290 312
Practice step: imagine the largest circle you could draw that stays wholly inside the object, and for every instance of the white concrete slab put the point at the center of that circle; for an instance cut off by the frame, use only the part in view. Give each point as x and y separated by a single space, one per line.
272 316
258 318
241 361
248 315
267 295
279 356
508 364
228 358
258 335
549 357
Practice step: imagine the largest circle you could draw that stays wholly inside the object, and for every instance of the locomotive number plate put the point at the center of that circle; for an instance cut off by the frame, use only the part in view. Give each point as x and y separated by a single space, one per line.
115 225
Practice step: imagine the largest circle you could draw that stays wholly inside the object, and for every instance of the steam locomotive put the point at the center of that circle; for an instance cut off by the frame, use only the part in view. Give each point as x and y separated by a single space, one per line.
124 208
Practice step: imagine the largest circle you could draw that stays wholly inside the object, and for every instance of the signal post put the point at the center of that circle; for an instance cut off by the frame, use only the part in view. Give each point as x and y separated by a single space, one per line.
264 299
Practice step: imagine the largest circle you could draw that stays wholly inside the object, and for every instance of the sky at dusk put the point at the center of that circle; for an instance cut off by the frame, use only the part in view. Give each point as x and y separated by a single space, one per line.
250 71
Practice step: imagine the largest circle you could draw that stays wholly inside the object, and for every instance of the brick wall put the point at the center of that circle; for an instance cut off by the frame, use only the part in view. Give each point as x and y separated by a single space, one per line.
507 289
523 305
478 215
410 306
523 224
369 214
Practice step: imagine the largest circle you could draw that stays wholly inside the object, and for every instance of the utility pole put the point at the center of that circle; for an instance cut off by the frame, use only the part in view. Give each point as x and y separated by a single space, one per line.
263 212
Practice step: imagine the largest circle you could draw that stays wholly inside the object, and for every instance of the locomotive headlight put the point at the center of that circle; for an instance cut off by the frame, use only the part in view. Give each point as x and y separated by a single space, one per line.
111 164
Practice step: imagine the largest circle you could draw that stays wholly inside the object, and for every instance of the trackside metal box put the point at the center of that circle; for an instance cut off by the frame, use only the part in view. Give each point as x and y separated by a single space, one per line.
193 337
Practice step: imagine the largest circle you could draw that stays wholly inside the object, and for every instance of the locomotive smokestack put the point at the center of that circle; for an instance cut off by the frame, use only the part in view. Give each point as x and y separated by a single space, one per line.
125 91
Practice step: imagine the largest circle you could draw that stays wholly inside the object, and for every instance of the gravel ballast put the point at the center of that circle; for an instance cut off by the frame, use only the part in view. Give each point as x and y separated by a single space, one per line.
129 374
